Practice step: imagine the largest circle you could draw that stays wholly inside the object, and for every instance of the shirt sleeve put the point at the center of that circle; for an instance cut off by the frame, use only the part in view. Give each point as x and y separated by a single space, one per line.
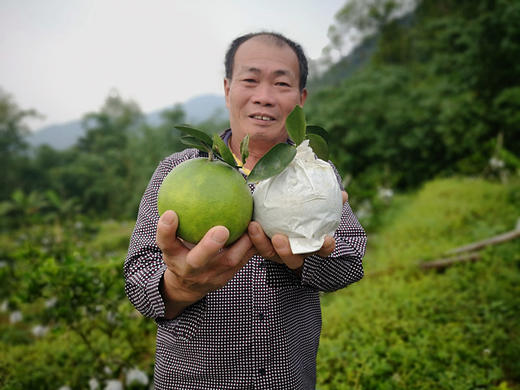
344 265
144 267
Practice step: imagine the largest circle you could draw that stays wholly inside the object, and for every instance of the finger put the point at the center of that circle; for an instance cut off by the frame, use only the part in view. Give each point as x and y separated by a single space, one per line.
241 251
283 248
210 245
261 242
328 247
166 235
344 195
232 259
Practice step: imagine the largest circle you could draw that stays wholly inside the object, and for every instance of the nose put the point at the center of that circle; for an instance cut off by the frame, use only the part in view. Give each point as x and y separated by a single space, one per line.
264 96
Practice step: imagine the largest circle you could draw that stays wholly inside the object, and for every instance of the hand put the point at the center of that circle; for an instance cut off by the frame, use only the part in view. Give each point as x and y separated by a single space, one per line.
278 248
193 273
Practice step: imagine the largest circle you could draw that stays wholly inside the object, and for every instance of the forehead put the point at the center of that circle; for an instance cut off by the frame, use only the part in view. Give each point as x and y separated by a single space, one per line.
266 55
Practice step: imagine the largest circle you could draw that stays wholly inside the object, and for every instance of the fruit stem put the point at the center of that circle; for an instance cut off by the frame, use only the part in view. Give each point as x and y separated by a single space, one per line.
211 157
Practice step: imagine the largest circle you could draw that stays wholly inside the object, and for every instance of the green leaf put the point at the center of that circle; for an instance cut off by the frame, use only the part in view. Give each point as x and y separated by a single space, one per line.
272 163
223 151
319 146
318 130
5 208
53 198
193 142
199 134
295 125
244 149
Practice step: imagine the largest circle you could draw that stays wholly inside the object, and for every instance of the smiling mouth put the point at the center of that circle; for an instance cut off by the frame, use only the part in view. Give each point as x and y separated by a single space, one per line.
264 118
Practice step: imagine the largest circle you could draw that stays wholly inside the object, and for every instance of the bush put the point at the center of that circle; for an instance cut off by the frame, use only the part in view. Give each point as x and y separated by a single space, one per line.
403 328
77 323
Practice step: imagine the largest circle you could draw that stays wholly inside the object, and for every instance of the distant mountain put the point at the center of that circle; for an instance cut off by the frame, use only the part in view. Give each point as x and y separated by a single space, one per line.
59 136
197 109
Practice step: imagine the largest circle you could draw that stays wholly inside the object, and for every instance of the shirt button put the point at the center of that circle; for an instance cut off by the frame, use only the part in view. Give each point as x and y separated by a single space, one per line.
261 316
261 371
262 264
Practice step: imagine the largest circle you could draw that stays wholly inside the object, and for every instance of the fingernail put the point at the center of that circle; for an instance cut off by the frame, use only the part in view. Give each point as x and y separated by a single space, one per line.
253 229
278 241
167 218
220 236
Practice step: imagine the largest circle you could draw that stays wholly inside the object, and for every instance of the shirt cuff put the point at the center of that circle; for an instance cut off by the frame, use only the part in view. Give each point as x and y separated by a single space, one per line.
154 294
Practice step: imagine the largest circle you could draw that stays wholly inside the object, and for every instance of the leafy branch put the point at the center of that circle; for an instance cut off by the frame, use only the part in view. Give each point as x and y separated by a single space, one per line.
215 147
281 155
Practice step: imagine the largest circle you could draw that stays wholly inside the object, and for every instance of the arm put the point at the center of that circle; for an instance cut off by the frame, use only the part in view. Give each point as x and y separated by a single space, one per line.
163 276
336 265
144 267
344 265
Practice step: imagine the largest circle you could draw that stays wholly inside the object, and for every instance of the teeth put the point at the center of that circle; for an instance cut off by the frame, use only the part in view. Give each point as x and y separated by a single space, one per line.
264 118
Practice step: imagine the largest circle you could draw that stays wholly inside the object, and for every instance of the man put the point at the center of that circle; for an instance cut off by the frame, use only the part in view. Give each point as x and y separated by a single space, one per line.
245 316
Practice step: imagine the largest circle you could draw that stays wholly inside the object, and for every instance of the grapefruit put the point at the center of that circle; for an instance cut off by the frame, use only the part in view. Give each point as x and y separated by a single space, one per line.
206 193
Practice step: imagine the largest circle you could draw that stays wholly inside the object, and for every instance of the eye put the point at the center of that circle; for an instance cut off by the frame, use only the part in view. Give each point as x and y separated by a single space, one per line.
282 84
249 81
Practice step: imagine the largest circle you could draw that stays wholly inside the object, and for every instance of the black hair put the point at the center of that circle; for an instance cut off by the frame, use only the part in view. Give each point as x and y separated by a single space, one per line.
278 38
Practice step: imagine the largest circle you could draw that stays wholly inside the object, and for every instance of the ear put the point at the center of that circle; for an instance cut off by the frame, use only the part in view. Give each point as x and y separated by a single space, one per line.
227 85
303 97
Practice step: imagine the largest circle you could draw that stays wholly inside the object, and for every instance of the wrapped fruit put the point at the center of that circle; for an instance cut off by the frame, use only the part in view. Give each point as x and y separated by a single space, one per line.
303 202
297 194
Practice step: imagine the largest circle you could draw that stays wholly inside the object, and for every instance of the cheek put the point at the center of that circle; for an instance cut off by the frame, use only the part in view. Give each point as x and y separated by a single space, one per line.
293 99
237 98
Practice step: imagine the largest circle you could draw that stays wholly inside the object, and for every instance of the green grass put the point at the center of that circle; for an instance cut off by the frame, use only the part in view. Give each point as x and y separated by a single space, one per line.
402 328
442 215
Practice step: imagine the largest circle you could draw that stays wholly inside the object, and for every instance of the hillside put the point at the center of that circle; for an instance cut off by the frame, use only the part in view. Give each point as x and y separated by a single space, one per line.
401 327
398 328
345 67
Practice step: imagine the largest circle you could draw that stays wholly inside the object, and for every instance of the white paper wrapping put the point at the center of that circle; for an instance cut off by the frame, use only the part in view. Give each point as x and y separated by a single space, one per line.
303 202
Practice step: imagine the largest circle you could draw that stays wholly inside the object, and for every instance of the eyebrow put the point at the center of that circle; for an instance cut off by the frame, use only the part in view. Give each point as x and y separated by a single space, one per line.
279 72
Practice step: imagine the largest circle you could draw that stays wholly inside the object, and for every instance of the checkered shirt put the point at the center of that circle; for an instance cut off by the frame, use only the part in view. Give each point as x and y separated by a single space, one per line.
260 331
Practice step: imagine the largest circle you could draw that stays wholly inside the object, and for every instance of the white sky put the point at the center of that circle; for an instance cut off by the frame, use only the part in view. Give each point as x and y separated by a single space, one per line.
62 57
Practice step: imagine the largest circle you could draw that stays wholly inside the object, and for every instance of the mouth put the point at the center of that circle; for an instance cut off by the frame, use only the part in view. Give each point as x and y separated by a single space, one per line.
262 117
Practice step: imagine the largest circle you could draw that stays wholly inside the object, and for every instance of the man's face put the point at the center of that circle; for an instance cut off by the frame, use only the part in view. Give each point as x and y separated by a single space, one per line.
263 90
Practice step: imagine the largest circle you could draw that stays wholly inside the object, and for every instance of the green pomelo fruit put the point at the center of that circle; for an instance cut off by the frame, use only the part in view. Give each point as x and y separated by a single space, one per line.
204 194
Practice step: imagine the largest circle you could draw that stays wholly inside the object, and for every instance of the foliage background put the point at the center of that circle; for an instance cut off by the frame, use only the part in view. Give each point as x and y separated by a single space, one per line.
423 117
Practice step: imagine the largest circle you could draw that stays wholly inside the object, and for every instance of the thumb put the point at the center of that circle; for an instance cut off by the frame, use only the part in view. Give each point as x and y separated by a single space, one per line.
210 245
328 247
344 195
166 233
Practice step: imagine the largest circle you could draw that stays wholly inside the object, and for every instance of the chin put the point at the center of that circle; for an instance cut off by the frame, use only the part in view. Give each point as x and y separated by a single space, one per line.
267 137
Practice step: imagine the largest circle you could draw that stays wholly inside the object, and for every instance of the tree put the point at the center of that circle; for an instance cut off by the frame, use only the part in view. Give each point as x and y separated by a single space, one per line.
440 96
109 129
13 146
98 174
